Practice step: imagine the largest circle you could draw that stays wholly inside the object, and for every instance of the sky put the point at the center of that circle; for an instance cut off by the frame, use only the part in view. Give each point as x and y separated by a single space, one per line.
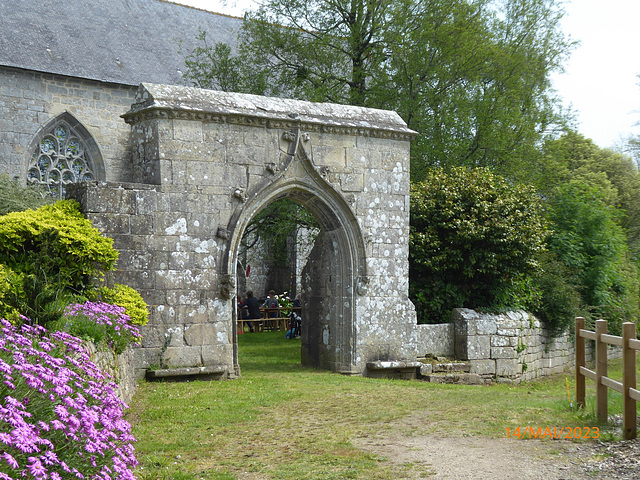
601 79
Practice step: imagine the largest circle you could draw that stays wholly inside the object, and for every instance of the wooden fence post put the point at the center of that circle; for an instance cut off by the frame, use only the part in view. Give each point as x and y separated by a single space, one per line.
580 362
628 381
601 371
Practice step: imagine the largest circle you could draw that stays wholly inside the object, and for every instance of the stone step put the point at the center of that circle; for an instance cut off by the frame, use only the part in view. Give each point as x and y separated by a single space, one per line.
444 367
185 374
454 378
393 369
452 367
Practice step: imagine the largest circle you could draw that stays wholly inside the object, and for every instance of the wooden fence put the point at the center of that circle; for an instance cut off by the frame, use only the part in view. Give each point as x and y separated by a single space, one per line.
629 344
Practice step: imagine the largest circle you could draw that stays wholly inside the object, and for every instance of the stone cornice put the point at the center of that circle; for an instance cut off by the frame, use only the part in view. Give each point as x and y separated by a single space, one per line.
185 103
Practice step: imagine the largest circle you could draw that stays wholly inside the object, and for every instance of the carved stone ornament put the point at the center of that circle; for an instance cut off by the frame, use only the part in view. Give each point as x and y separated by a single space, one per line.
272 168
288 136
239 194
362 285
324 172
222 233
227 286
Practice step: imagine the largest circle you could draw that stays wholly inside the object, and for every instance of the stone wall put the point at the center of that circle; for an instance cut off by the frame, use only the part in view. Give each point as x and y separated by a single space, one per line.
509 347
169 252
436 340
30 100
120 367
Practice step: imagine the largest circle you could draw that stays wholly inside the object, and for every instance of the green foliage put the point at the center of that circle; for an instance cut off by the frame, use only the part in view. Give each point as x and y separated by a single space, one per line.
57 253
104 324
16 198
472 77
214 67
10 292
275 224
573 157
560 301
474 242
123 296
589 241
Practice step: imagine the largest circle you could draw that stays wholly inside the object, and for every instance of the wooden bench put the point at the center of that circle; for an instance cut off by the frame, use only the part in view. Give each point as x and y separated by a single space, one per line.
267 323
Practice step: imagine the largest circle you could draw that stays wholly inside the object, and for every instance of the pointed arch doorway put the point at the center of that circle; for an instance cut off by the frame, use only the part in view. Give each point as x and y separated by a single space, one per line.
335 264
205 163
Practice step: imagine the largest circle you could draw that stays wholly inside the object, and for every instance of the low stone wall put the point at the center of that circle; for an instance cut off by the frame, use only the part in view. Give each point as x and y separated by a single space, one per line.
435 340
120 367
509 347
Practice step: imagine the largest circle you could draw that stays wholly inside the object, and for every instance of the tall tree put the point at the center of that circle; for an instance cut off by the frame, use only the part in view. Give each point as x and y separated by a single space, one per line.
471 76
572 157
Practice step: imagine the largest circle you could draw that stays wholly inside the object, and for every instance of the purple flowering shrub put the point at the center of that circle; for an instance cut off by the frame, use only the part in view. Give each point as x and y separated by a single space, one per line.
102 323
59 415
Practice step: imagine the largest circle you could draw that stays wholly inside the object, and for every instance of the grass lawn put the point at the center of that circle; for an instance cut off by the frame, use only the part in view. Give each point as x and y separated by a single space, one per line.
283 421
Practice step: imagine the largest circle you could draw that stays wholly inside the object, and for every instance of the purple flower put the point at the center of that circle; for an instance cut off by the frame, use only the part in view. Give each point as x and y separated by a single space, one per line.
36 468
10 460
41 442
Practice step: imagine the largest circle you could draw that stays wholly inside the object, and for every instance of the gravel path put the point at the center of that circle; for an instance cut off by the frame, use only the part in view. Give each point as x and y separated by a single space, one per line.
478 458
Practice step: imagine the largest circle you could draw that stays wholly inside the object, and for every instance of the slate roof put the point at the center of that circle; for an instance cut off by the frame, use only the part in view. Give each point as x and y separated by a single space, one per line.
120 41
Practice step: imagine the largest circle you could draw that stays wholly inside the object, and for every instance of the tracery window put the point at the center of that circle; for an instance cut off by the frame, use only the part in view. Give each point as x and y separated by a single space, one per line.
60 158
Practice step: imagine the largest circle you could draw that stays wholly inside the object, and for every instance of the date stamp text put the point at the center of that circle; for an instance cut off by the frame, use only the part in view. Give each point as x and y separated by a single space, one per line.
553 432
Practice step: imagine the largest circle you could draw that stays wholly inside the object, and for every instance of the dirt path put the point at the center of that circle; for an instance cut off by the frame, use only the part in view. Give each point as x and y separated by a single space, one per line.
438 457
475 458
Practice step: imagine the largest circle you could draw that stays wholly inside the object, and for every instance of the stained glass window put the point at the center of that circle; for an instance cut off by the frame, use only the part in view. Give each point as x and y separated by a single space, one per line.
60 158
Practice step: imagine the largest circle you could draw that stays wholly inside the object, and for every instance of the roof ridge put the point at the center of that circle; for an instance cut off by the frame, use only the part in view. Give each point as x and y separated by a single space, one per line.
200 9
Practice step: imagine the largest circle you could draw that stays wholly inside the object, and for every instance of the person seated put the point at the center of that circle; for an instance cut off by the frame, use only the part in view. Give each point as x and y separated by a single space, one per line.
252 307
271 305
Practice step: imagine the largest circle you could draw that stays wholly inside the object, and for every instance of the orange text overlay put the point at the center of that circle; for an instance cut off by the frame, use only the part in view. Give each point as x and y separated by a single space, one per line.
553 432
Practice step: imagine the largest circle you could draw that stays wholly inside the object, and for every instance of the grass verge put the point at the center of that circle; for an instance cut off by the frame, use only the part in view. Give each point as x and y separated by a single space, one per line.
284 421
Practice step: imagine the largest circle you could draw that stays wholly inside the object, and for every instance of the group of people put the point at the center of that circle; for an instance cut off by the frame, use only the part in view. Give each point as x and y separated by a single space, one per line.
250 310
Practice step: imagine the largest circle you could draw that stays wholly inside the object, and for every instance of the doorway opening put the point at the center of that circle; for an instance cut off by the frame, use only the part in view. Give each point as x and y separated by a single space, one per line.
326 281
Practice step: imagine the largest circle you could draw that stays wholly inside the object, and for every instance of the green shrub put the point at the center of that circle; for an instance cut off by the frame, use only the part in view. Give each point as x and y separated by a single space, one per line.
10 293
16 198
104 324
126 297
474 241
560 301
57 254
588 239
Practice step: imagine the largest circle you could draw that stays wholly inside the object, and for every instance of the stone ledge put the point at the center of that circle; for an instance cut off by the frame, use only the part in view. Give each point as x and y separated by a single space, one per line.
393 369
212 372
459 378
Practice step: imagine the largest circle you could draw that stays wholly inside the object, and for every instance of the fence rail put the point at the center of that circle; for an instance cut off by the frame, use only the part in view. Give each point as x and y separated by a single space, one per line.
627 387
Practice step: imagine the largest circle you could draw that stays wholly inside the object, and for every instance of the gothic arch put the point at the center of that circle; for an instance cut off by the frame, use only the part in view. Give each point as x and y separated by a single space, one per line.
336 270
63 152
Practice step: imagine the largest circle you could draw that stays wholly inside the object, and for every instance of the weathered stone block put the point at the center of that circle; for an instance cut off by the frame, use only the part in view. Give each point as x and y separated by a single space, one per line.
159 336
483 367
182 356
146 202
485 325
500 341
503 352
508 332
461 319
187 130
169 279
141 224
351 182
200 334
506 367
478 347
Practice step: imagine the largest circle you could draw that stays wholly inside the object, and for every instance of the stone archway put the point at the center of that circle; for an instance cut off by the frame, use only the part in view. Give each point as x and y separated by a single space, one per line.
204 163
336 264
